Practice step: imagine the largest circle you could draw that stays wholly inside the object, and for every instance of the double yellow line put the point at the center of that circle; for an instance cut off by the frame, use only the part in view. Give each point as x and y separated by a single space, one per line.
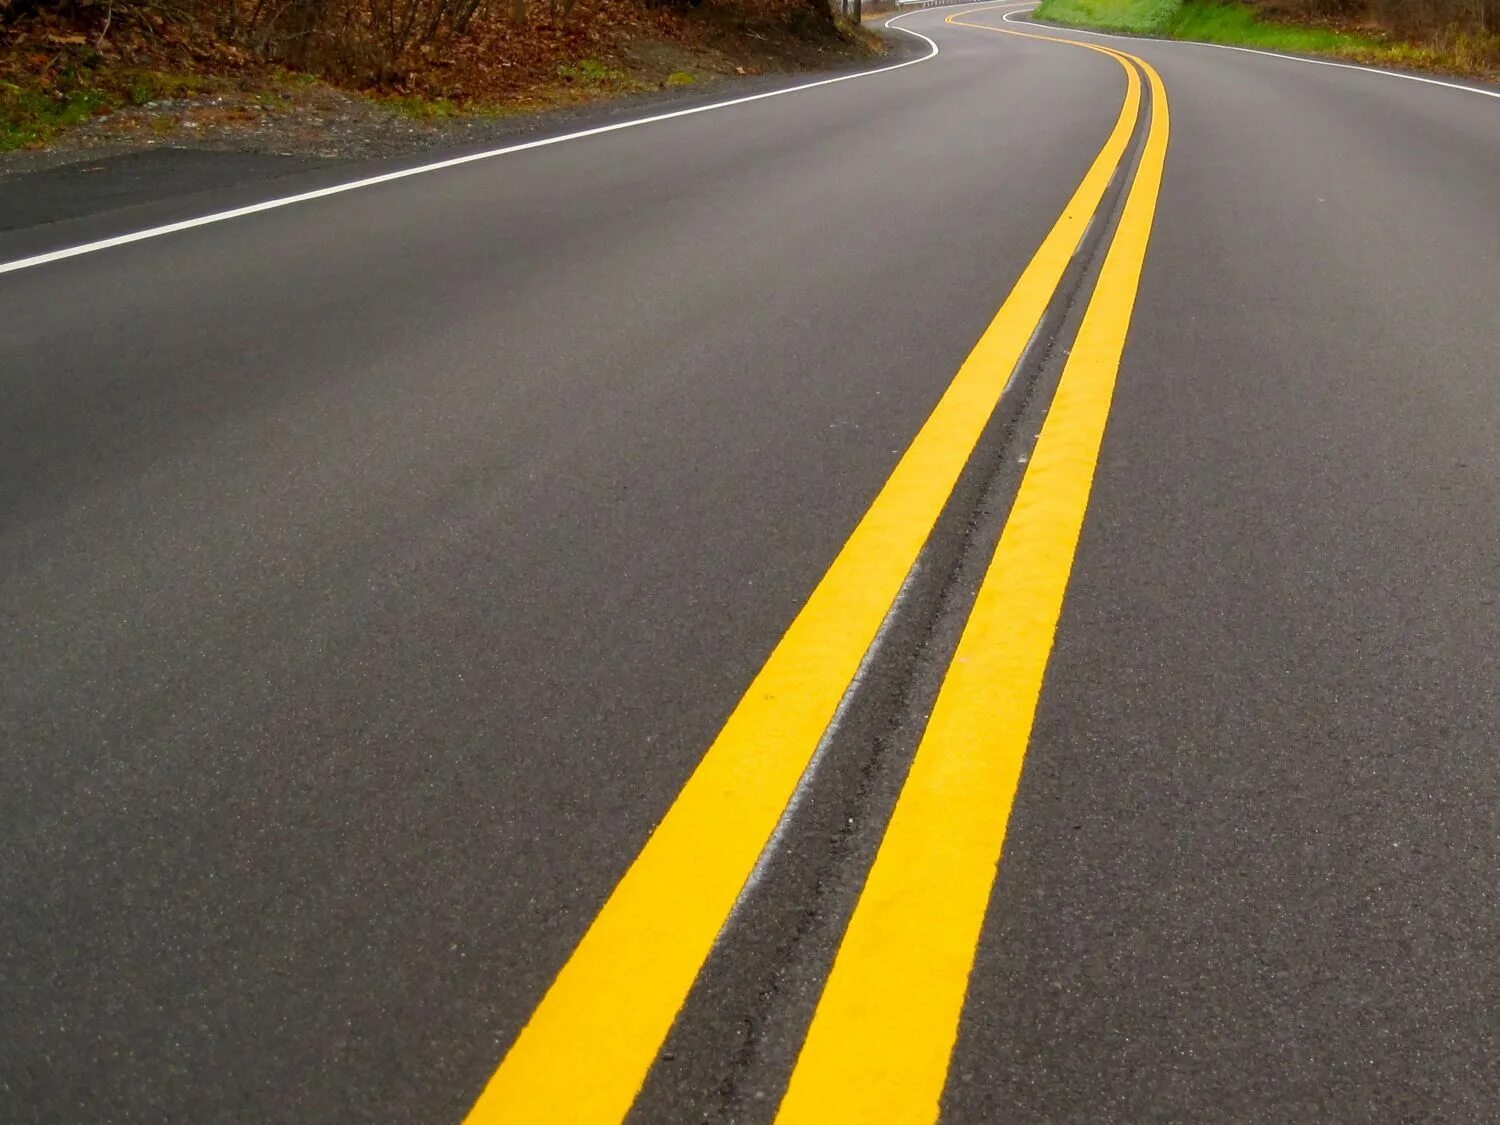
879 1044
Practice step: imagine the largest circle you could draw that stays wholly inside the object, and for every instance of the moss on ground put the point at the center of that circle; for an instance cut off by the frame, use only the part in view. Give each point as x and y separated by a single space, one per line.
36 108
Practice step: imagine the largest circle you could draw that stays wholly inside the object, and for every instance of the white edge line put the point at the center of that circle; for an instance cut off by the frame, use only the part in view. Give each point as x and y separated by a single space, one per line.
1270 54
423 169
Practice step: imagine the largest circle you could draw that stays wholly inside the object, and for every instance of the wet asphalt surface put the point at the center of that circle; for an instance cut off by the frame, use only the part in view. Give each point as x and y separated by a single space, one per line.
375 570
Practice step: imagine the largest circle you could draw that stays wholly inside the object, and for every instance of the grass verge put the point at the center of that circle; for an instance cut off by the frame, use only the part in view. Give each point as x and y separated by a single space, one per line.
1139 17
1241 25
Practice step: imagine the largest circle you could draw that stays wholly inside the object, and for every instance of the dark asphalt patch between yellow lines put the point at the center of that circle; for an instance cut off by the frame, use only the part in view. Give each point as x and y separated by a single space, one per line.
879 1044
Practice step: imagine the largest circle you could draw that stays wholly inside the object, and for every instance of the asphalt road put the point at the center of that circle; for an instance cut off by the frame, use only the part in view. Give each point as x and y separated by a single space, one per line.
375 571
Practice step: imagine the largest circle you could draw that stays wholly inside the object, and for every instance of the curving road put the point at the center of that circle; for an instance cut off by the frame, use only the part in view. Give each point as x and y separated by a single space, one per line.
376 569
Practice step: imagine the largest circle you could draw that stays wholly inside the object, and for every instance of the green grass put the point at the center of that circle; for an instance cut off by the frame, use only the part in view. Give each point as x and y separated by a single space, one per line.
36 113
35 116
1142 17
1238 24
589 78
1231 23
142 86
592 72
422 108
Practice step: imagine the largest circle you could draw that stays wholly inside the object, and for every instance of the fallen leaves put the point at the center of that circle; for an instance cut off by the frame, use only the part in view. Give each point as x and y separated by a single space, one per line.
62 65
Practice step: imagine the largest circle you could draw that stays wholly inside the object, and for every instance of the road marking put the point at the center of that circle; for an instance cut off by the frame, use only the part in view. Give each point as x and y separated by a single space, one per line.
884 1030
589 1044
1270 54
454 162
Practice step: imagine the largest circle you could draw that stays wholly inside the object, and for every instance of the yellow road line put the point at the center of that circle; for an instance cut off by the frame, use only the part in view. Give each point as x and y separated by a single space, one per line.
591 1041
885 1026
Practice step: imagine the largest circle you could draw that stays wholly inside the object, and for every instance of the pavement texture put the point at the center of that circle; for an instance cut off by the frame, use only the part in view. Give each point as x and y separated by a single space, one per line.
1246 875
375 570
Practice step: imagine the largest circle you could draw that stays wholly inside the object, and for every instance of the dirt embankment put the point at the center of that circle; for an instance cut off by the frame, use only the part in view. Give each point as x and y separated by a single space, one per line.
124 74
